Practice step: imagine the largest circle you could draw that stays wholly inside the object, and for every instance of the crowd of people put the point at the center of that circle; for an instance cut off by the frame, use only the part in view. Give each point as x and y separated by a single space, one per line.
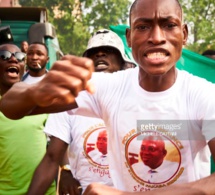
141 130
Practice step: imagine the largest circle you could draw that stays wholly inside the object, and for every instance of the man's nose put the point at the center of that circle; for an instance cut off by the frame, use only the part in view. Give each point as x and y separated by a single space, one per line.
157 36
34 56
100 53
13 57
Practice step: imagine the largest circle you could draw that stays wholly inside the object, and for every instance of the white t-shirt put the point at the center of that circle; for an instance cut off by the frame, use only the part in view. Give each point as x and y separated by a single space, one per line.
81 134
184 115
31 80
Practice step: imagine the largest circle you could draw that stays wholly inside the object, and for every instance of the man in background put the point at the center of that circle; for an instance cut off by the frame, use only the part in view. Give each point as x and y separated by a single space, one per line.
24 46
22 142
209 53
37 58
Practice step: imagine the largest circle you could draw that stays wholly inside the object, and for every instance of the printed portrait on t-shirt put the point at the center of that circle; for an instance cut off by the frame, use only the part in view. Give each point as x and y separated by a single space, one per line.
96 147
157 161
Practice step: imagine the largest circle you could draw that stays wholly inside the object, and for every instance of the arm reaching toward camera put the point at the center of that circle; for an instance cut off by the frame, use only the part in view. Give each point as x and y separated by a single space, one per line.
55 93
204 186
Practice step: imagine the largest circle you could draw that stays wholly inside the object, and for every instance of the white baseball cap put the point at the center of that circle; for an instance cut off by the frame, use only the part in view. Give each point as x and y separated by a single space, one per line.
107 38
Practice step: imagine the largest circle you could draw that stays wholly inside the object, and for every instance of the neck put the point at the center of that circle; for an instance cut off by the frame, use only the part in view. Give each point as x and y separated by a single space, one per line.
157 83
37 74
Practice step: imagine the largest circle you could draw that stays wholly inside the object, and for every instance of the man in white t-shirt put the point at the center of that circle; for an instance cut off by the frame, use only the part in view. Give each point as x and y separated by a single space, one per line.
179 106
37 58
86 137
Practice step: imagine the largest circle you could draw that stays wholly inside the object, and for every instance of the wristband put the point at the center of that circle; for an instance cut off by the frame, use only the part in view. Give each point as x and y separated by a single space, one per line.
66 168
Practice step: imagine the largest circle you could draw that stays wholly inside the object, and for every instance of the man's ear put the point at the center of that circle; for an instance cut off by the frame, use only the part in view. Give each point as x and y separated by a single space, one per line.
185 33
128 33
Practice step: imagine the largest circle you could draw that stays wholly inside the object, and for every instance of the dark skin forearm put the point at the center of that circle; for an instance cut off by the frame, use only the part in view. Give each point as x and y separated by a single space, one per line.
187 189
24 103
67 183
56 92
48 168
42 179
17 102
204 186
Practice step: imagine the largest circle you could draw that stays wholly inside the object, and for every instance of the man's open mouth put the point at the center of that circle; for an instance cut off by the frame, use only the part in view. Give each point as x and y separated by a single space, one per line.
101 65
12 71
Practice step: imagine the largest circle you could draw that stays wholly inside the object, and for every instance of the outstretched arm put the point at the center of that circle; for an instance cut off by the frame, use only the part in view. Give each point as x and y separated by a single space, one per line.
204 186
55 93
48 168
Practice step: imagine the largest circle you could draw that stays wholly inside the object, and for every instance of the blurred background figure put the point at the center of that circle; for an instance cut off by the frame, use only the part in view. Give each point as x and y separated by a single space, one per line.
37 58
209 53
24 46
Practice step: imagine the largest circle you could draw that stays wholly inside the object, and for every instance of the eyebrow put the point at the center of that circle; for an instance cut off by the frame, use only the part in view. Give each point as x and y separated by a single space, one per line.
159 19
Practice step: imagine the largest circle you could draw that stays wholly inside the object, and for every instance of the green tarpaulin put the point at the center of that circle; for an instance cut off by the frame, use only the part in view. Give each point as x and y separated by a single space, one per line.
190 61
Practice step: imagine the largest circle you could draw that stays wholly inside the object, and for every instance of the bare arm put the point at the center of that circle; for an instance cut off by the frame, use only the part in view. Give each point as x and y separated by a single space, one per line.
67 183
17 103
48 168
55 93
206 185
188 189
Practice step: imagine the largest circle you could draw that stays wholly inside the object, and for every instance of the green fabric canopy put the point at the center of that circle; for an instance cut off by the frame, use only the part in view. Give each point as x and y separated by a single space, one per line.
190 61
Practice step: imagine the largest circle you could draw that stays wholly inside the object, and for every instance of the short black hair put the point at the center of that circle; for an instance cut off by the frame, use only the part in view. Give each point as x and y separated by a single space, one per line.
40 43
134 5
208 52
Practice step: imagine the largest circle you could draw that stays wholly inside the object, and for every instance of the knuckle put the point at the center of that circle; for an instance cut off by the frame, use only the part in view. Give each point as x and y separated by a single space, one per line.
85 74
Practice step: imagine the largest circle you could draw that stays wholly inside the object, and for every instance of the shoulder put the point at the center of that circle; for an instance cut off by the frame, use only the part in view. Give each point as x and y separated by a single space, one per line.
189 77
195 84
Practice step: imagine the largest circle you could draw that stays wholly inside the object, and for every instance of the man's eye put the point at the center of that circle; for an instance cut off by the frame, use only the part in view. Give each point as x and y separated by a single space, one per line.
171 25
142 27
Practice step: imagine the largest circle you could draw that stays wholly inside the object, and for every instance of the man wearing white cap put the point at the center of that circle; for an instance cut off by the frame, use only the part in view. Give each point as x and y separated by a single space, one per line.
82 134
107 43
